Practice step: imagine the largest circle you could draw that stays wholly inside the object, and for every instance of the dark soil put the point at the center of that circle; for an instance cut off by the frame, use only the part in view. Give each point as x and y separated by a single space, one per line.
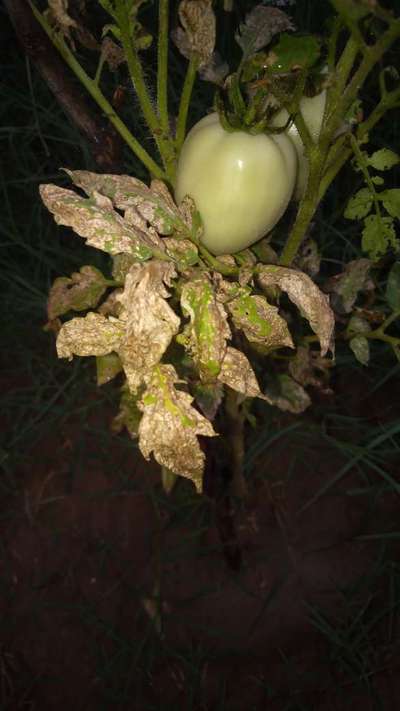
114 595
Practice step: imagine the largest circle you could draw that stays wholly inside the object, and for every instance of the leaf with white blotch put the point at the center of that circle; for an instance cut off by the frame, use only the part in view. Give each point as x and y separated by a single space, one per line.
360 347
346 287
237 372
311 302
107 367
83 290
309 368
288 395
215 70
60 19
206 335
154 204
197 38
260 322
129 415
358 325
95 220
170 425
182 251
260 26
150 323
384 159
191 218
391 201
93 334
378 236
308 259
393 287
359 205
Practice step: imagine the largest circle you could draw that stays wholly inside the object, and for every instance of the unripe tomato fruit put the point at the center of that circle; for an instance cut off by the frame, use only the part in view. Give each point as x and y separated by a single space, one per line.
240 183
312 109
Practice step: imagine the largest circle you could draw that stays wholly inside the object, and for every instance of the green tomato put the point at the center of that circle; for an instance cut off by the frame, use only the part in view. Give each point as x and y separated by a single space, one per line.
312 109
240 183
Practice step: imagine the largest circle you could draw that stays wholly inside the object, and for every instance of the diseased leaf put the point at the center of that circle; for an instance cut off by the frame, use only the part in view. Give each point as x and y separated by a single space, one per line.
129 415
182 251
360 347
214 70
359 205
170 425
83 290
150 323
393 287
197 38
358 325
346 287
391 201
168 479
236 371
112 53
93 334
61 20
310 301
107 367
206 335
378 236
260 322
309 368
288 395
260 26
208 397
308 259
384 159
154 205
96 221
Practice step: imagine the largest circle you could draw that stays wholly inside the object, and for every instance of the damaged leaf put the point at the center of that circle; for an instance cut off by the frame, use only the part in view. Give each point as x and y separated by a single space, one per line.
208 397
360 347
215 70
311 302
346 287
107 367
170 425
260 26
206 335
93 334
95 220
150 323
260 322
83 290
309 368
288 395
236 371
129 414
197 38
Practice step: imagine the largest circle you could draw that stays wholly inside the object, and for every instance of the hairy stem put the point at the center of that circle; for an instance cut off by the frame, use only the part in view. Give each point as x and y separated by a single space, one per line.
96 94
185 101
162 66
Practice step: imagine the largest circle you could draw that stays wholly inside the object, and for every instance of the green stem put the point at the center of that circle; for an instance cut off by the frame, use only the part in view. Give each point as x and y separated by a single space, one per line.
185 101
235 423
96 94
162 66
164 144
363 165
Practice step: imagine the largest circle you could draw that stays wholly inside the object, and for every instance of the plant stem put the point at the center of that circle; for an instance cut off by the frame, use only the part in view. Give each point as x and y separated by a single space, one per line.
235 422
363 165
162 66
185 101
96 94
164 144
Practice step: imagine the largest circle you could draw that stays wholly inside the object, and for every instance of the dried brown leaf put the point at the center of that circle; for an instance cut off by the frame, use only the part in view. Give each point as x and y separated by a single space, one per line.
346 287
83 290
237 372
93 334
311 302
288 395
170 425
197 38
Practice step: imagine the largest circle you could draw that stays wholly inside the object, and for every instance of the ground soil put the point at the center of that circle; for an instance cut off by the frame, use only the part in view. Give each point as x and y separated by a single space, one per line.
114 595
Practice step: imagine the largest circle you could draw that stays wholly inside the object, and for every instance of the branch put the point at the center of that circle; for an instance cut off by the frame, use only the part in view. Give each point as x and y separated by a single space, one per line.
105 143
185 101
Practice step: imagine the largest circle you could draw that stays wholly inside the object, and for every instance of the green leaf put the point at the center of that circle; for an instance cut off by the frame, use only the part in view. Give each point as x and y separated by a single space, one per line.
168 479
293 52
378 236
384 159
129 415
83 290
393 287
391 201
358 325
360 347
359 205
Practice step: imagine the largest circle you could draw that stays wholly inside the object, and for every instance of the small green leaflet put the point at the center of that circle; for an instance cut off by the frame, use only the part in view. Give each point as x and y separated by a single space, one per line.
384 159
378 236
107 367
391 201
359 205
360 347
260 322
293 52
